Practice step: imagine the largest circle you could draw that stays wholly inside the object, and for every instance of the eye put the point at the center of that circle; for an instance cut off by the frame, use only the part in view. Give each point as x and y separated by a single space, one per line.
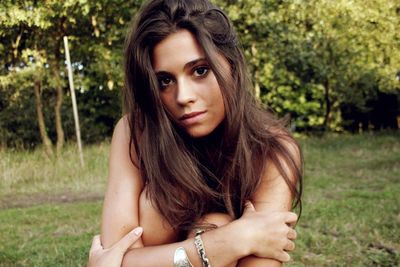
201 71
165 82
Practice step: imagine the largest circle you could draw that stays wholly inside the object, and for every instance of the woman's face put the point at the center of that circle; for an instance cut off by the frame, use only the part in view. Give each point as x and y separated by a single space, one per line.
189 90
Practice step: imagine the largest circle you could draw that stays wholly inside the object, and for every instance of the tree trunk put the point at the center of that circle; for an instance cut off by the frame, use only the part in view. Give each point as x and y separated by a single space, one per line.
42 126
328 105
59 90
57 107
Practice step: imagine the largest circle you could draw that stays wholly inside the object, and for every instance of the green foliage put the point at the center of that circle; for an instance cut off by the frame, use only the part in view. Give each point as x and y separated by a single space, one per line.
32 32
310 59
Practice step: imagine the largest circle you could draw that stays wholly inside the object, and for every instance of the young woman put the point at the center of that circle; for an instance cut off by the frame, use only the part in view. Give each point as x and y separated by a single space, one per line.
195 150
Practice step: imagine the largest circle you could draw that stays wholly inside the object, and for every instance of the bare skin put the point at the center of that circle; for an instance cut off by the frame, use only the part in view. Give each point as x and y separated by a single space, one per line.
264 234
261 237
112 257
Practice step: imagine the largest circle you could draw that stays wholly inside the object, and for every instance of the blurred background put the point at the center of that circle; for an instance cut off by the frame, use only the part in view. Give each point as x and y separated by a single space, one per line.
331 67
327 65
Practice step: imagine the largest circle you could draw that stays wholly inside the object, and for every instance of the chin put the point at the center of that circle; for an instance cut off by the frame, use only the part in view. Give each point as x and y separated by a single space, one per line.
199 133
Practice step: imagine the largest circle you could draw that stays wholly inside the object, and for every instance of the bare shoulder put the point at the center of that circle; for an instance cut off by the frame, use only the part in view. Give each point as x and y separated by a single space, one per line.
122 131
290 145
274 193
122 153
122 138
123 188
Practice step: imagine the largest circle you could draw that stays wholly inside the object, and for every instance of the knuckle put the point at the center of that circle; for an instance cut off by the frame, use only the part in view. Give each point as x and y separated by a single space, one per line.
293 216
279 256
285 257
289 245
284 244
292 234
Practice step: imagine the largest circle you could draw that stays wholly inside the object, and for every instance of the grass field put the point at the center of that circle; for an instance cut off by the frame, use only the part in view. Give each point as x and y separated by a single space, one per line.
49 210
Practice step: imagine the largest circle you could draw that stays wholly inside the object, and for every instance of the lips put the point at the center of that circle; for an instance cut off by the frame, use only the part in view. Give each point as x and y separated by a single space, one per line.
191 115
191 118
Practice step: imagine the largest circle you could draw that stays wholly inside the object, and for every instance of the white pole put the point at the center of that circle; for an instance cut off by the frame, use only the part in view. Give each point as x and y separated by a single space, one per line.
73 98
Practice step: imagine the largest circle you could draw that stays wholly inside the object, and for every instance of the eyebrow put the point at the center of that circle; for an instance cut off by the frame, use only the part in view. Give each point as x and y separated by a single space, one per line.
187 65
193 62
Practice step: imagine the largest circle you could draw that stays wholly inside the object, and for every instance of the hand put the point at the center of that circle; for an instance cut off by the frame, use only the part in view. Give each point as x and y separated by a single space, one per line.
112 257
269 233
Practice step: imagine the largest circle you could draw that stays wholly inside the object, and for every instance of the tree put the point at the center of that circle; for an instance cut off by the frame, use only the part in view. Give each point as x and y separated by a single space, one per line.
310 57
36 28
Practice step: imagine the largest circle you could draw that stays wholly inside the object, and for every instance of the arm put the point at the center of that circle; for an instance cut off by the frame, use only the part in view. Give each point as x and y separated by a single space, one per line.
272 195
221 251
111 257
259 233
223 245
121 212
120 208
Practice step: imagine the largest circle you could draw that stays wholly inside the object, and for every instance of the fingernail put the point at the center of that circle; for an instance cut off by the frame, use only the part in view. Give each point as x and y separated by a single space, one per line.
138 231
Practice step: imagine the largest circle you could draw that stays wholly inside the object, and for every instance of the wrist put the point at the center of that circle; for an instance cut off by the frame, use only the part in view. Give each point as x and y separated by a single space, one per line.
241 239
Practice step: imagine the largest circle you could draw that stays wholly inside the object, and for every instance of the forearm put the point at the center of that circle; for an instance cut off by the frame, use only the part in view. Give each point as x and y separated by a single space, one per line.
222 246
253 261
255 233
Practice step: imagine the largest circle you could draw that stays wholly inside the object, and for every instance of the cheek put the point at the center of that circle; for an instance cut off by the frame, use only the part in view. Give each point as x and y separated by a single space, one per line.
222 107
167 101
217 94
214 91
219 103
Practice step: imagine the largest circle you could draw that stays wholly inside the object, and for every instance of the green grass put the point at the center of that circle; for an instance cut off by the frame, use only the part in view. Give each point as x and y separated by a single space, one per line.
49 234
351 202
49 210
29 176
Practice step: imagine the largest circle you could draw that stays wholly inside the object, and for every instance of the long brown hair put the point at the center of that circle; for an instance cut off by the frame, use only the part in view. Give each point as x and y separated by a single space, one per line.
186 177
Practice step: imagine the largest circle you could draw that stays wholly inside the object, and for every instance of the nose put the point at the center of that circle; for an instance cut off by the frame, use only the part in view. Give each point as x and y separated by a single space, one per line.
185 93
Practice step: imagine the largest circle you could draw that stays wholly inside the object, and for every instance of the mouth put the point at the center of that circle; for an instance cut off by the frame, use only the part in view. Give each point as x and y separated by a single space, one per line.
191 115
191 118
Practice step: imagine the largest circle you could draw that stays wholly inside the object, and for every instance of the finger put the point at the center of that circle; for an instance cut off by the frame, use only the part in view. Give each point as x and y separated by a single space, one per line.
291 218
96 244
248 206
284 257
292 234
129 239
289 246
